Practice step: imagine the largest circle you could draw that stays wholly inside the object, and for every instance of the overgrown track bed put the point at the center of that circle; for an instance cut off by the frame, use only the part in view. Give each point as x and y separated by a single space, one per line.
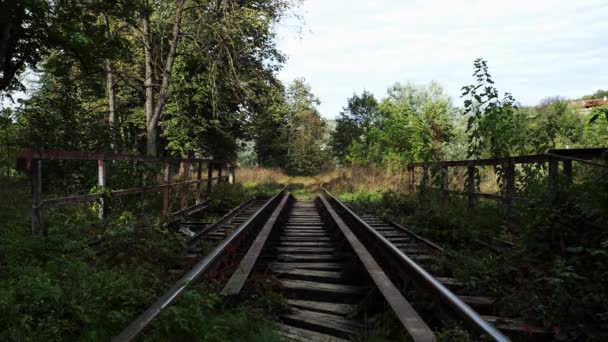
422 252
329 280
238 227
335 271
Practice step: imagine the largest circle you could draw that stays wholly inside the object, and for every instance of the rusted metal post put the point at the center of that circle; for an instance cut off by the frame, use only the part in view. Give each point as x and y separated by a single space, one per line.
166 190
36 179
444 183
471 185
509 178
219 173
101 181
553 176
568 170
231 174
199 171
412 178
209 176
185 187
510 190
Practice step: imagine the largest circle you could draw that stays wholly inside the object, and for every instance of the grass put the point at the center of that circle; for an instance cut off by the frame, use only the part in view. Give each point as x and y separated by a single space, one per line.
56 288
271 180
553 276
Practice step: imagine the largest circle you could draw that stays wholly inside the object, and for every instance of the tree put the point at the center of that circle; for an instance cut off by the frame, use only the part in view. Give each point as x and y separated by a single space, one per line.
24 35
355 121
413 123
494 126
305 129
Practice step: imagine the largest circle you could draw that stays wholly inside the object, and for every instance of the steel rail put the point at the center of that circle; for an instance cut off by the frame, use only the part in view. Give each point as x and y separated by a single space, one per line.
236 282
143 320
407 315
221 221
448 297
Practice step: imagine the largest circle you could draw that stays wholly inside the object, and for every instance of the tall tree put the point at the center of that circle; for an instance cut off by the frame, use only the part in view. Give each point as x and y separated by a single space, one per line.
305 154
355 121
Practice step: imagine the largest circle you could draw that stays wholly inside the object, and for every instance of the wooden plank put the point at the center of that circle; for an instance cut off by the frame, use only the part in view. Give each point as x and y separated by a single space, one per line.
306 244
516 326
311 265
322 322
309 258
307 250
330 289
479 303
305 239
313 275
324 307
303 335
239 277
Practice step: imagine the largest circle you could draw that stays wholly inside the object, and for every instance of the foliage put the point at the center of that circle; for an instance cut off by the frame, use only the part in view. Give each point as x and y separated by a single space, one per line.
199 315
597 95
306 152
355 121
597 112
411 124
492 123
554 275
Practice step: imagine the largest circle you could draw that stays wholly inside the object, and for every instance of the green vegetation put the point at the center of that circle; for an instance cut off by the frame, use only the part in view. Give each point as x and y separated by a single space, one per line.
65 287
192 78
554 275
419 123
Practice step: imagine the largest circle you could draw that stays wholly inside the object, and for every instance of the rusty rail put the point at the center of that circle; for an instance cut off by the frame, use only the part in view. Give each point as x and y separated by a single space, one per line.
464 311
144 319
31 162
407 315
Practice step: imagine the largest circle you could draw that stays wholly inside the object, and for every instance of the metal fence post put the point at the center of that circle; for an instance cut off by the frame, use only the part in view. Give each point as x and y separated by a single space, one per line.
36 179
412 178
199 170
166 190
101 181
185 178
510 190
471 185
231 175
553 176
568 170
445 183
209 176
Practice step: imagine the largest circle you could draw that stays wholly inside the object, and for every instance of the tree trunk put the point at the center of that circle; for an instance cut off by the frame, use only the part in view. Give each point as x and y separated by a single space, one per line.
111 103
151 148
155 110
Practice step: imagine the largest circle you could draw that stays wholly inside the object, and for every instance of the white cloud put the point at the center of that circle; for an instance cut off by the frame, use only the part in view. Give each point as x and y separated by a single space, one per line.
534 48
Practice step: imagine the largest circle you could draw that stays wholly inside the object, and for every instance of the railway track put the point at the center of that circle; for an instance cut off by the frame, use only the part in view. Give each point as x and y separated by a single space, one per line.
334 269
423 251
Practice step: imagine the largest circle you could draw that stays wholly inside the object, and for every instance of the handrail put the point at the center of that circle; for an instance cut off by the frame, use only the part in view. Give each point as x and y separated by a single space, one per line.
460 307
143 320
576 154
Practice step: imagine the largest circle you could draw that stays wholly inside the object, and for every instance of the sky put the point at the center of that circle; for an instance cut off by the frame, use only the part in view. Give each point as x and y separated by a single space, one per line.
534 48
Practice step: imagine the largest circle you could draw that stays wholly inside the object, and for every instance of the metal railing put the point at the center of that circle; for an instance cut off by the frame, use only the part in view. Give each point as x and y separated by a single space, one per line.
31 162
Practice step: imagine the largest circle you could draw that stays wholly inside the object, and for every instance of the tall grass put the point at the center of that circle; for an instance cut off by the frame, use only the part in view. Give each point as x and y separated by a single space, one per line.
358 178
260 175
